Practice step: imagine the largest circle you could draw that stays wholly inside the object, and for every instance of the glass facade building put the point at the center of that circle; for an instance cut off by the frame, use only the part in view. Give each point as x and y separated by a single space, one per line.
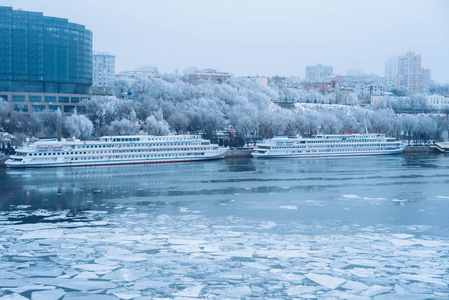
40 54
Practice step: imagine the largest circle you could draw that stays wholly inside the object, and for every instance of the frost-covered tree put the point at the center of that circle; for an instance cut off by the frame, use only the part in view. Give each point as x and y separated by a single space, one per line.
58 124
178 122
121 87
122 127
427 130
382 121
77 126
42 124
331 124
155 127
152 87
102 111
410 126
4 113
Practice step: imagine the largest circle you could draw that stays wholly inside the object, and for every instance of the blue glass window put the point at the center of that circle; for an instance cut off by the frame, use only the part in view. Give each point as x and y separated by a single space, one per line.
54 107
38 108
35 98
21 107
69 108
50 98
18 98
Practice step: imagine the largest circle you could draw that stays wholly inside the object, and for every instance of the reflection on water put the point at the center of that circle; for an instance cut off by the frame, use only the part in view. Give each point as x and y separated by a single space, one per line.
235 229
255 185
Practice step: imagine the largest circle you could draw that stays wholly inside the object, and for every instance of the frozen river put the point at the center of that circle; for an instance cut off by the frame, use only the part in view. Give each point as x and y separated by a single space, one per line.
346 228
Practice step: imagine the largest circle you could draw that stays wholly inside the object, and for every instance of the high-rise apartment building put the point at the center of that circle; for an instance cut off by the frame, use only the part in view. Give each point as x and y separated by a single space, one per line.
391 71
319 72
411 76
45 62
424 81
103 73
409 68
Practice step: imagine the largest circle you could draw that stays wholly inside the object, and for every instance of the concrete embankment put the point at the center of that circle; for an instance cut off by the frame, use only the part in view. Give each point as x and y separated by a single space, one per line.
238 153
417 149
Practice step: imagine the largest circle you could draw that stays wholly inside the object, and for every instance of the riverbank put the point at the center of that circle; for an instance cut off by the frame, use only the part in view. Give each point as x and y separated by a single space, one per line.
239 153
417 149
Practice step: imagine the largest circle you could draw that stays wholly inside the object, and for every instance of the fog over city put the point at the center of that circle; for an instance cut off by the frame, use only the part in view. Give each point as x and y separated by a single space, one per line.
260 37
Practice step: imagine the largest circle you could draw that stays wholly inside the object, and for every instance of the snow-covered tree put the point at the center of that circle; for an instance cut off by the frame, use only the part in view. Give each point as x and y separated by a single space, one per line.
410 126
155 127
58 124
123 127
77 126
4 113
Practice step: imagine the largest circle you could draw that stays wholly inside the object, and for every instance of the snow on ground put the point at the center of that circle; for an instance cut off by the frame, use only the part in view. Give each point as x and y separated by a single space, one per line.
132 255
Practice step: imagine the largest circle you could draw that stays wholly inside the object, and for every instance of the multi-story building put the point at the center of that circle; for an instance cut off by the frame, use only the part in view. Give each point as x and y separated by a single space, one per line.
424 81
318 73
209 74
437 102
343 95
103 73
325 87
409 68
278 79
391 71
45 62
261 80
353 72
411 76
372 89
138 74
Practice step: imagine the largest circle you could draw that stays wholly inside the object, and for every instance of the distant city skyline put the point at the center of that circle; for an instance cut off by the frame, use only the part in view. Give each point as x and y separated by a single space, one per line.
261 37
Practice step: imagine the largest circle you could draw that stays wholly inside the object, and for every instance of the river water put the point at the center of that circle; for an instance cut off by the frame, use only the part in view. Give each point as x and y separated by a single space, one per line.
339 228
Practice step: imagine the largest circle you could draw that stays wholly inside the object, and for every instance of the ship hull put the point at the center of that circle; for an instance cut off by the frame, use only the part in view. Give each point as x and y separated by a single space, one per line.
322 155
113 162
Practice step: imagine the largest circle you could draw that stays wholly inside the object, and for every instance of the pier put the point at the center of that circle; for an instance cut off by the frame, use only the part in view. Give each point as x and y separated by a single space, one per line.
441 147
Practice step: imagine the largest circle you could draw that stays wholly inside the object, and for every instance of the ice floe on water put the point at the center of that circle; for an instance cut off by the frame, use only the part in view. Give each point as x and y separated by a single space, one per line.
268 225
314 202
48 295
292 207
400 201
374 199
351 196
326 280
130 254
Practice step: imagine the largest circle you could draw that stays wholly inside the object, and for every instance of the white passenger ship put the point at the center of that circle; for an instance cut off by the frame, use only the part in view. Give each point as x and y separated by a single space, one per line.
115 150
328 146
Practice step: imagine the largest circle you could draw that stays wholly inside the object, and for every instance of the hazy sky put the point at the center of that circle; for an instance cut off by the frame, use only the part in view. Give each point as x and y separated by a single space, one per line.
259 37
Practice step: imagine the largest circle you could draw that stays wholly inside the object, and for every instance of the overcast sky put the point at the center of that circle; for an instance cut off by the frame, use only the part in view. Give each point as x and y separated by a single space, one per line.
259 37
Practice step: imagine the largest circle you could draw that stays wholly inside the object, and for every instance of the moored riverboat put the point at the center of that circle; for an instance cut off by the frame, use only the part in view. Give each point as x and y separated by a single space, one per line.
334 145
115 150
